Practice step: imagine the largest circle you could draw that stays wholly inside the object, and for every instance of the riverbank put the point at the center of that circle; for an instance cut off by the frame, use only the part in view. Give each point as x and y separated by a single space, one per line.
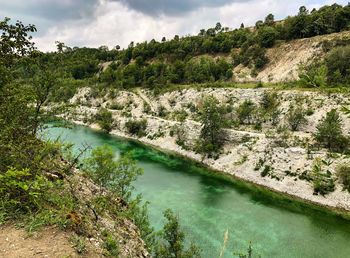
281 189
243 148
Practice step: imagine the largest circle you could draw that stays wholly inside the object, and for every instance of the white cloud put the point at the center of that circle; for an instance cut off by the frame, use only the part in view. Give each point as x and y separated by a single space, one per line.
113 23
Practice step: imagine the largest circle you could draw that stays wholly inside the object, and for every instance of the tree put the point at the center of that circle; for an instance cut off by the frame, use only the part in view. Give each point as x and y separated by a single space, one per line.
104 119
338 65
23 156
267 36
212 134
303 11
296 118
116 176
329 132
269 20
245 111
171 242
218 27
17 125
259 24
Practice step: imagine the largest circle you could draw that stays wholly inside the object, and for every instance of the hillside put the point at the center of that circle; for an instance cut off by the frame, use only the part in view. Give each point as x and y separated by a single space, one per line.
289 157
285 59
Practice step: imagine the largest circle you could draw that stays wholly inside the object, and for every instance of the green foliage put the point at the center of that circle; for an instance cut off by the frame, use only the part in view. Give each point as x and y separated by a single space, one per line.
138 212
343 172
180 115
104 119
259 164
78 243
296 118
249 253
323 183
116 176
136 127
269 104
313 76
267 36
212 120
21 191
266 171
111 246
162 111
171 240
329 132
338 65
245 112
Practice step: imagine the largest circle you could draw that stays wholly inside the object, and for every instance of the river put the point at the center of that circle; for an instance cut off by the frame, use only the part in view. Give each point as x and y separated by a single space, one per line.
209 204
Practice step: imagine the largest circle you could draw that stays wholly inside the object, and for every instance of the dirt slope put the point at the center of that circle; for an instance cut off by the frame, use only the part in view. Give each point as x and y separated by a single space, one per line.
286 57
51 242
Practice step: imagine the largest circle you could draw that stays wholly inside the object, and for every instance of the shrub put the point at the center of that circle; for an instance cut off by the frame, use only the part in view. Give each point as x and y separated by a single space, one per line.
146 108
171 239
162 111
116 106
136 127
269 101
116 176
21 190
329 132
266 171
180 115
282 139
296 118
245 111
338 64
343 172
313 76
104 119
111 246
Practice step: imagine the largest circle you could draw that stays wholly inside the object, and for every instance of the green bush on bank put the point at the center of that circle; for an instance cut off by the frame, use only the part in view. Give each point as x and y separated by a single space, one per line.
329 132
136 127
343 172
104 119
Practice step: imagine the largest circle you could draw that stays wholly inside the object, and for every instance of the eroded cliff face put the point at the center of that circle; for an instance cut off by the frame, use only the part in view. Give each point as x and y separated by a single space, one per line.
271 148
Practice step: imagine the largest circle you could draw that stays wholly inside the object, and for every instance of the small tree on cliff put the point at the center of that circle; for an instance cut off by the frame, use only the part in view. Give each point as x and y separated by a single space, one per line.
212 134
330 134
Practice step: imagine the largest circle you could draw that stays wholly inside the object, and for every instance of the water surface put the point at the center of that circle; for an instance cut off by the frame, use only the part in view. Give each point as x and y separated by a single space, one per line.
208 205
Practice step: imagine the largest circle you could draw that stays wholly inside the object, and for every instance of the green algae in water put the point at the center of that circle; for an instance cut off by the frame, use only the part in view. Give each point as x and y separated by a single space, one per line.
209 203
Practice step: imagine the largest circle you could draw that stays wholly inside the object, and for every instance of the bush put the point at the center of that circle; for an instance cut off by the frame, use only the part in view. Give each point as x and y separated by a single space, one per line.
116 176
245 111
172 238
313 76
21 190
104 119
137 127
338 65
323 183
162 111
329 132
343 172
266 171
269 101
296 118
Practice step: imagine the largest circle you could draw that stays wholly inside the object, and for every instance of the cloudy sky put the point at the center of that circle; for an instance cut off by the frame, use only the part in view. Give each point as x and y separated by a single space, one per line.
94 23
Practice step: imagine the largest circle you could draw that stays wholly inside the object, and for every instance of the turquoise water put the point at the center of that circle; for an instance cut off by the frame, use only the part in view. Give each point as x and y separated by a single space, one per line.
209 204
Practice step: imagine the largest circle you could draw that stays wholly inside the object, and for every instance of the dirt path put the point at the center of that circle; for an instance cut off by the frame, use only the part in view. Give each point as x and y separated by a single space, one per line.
50 242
